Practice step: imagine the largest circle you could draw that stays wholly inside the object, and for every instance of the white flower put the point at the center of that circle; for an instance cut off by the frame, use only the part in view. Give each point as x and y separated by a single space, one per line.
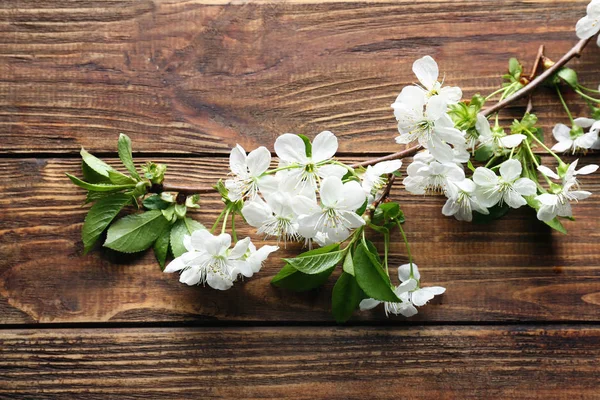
434 177
291 151
256 258
210 260
375 176
275 217
508 188
408 291
248 171
336 216
427 72
589 25
596 129
558 203
497 140
463 202
427 122
575 139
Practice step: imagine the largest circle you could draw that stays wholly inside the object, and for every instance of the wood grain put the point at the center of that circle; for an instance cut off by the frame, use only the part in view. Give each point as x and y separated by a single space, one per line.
199 76
512 269
505 362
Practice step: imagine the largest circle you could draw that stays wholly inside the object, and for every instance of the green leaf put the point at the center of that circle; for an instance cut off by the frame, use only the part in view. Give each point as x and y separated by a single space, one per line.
348 265
125 155
161 248
182 227
292 279
318 260
155 202
371 277
136 232
92 176
346 297
556 225
95 163
569 76
307 145
470 166
100 216
515 68
119 178
483 153
97 187
496 212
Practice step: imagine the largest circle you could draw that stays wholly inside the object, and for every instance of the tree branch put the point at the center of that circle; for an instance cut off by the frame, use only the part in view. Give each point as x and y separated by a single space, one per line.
531 86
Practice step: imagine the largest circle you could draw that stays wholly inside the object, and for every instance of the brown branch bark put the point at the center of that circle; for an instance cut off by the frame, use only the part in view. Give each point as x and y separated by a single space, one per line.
531 86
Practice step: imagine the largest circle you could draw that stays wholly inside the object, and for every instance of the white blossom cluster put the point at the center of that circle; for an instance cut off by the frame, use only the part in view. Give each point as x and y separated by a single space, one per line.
422 115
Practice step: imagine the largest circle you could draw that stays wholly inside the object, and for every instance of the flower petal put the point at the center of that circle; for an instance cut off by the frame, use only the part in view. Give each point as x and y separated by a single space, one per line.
240 248
421 297
548 172
303 205
332 191
176 265
484 177
290 148
511 141
199 238
258 161
525 186
404 272
588 169
190 276
514 199
324 146
331 170
368 304
426 70
353 197
561 132
562 146
237 161
584 122
510 170
586 27
218 281
256 212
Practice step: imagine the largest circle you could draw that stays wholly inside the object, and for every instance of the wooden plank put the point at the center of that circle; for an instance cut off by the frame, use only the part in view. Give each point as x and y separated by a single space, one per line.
506 362
200 76
512 269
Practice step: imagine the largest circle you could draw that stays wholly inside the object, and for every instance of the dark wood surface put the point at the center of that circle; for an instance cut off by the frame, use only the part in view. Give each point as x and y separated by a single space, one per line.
189 79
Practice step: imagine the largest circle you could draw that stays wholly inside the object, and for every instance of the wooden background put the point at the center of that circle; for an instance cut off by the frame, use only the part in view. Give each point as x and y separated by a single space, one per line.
186 80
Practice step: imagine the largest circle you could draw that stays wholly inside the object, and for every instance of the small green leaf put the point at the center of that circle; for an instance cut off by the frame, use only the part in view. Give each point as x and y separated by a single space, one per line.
182 227
95 163
161 248
318 260
136 232
346 297
92 176
569 76
119 178
100 216
348 265
125 155
391 210
155 202
515 68
556 225
307 145
483 153
97 187
292 279
470 166
371 277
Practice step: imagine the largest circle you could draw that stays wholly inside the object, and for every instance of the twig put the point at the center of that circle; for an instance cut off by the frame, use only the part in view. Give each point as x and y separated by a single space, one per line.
411 151
531 86
385 193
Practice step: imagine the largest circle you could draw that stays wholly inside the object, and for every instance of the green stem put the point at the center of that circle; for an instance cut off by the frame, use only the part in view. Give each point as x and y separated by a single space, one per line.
224 226
585 96
531 135
212 230
407 247
589 90
562 100
386 240
491 161
494 93
233 233
291 166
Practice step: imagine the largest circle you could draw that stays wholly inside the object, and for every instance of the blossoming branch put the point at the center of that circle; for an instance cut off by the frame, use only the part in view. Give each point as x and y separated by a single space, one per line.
462 152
